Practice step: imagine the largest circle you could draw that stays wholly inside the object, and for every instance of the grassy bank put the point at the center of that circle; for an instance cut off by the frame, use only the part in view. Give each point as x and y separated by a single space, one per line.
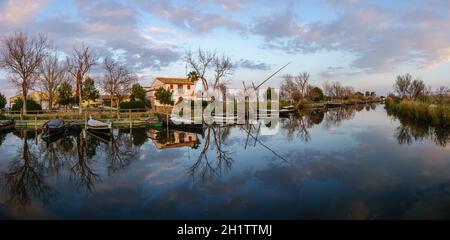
434 114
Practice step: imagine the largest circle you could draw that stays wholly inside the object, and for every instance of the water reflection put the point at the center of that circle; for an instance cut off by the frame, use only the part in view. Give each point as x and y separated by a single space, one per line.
209 167
25 177
302 171
410 131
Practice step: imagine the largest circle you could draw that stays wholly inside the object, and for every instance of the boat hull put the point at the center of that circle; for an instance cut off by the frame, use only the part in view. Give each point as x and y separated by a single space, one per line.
6 126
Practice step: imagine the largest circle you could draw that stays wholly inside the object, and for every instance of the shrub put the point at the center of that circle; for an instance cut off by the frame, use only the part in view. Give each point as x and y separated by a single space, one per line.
135 106
32 106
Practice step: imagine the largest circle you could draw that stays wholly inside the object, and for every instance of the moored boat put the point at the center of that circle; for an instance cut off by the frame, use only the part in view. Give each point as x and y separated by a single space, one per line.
98 126
73 126
7 125
179 123
286 110
53 127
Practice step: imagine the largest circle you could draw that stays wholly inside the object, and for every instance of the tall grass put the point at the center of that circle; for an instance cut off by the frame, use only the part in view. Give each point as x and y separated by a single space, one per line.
434 114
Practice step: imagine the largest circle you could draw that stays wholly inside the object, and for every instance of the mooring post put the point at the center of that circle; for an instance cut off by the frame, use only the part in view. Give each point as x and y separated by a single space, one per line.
131 119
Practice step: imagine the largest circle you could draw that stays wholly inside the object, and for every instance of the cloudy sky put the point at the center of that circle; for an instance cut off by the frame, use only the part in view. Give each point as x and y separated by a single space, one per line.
360 43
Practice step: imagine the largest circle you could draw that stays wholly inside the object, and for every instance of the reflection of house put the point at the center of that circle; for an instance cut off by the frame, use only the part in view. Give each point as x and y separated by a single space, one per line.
173 139
181 87
39 97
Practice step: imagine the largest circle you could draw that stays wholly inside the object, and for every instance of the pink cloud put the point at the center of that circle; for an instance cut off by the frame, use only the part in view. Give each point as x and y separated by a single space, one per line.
20 11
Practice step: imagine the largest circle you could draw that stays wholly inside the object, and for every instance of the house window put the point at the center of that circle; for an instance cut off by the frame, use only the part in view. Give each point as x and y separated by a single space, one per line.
171 86
188 87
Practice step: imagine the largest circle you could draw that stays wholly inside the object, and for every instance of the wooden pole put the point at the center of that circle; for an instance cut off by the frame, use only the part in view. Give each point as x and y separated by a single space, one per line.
131 119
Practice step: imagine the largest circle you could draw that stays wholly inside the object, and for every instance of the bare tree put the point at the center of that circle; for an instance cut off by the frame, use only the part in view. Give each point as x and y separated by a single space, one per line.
289 89
22 57
222 67
79 65
416 89
52 74
337 90
200 63
117 81
402 84
302 81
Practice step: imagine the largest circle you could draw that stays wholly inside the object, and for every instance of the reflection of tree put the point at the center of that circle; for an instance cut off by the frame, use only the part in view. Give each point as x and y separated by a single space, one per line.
139 136
2 138
92 143
81 171
418 131
334 117
206 167
403 135
121 152
298 124
25 178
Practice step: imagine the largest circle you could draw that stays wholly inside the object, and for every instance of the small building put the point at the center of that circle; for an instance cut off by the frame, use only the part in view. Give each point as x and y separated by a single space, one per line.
182 88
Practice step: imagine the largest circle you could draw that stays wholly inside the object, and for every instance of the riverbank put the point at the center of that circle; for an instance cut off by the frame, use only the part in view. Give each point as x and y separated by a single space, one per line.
336 103
115 123
434 114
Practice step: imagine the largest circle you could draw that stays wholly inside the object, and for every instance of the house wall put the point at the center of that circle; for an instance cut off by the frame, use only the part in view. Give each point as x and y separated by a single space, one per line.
186 91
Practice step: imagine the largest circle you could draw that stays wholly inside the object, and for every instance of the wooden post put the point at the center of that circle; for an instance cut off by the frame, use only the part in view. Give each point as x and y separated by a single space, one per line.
35 122
131 119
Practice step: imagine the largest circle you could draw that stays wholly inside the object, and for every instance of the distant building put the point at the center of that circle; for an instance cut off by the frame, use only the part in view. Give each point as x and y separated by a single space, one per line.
182 88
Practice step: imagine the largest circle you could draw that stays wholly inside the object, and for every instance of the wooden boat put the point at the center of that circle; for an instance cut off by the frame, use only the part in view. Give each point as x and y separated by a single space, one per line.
53 127
104 137
180 123
7 125
97 126
286 110
74 127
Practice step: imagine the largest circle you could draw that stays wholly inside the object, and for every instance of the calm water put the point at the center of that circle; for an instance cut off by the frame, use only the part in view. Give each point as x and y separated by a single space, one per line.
342 164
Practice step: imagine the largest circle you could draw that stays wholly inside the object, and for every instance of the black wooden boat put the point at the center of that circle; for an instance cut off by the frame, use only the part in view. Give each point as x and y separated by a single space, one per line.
7 125
53 127
74 127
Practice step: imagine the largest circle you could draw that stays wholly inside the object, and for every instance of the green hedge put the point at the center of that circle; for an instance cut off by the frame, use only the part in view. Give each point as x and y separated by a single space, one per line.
32 106
136 106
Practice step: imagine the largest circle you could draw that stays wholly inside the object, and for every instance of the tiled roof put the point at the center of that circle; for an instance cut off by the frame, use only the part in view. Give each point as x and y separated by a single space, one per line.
172 80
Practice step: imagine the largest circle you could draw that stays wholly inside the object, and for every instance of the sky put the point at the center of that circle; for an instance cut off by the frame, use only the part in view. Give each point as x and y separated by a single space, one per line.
364 44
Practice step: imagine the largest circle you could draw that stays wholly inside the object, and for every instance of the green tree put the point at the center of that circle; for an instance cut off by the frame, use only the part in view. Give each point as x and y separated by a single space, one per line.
89 90
65 94
32 106
138 93
316 94
193 76
2 101
164 96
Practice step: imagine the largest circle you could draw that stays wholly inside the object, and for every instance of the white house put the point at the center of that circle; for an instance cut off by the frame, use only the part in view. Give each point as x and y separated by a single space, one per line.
182 88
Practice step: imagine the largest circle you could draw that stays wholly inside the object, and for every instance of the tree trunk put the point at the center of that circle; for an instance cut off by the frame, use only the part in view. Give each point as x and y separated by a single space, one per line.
79 87
24 100
111 102
50 102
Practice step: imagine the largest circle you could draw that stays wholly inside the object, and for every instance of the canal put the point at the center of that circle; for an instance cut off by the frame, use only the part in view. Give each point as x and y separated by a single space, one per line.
344 163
